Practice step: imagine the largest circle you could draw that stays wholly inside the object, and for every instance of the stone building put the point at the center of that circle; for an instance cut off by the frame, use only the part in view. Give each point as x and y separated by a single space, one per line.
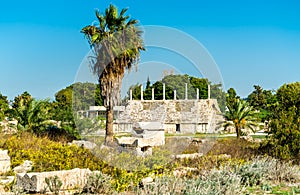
177 116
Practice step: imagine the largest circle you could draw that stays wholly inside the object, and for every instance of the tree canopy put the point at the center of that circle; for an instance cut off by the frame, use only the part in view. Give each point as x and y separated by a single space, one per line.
177 82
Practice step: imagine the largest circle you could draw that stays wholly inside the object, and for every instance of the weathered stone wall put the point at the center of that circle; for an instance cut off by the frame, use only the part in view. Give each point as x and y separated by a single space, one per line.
191 116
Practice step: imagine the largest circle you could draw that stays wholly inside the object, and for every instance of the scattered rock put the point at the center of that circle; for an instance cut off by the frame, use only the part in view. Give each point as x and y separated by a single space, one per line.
183 171
23 168
247 138
224 156
4 161
147 180
188 156
82 143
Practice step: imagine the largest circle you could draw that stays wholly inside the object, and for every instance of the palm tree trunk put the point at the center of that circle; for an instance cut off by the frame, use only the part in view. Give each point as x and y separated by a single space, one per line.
109 134
238 132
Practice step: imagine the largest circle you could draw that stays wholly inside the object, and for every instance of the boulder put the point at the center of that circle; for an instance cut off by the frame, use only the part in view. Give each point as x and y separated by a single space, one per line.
4 161
23 168
247 138
35 182
82 143
147 180
188 156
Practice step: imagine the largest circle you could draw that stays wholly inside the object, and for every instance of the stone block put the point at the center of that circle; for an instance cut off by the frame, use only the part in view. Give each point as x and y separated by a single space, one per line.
86 144
24 168
4 161
35 182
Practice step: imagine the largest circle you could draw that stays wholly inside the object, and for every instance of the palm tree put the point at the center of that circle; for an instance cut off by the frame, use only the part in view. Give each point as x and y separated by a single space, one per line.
116 42
241 116
31 114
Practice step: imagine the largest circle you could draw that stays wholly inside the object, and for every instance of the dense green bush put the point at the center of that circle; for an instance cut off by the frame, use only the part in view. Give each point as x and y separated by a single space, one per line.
284 136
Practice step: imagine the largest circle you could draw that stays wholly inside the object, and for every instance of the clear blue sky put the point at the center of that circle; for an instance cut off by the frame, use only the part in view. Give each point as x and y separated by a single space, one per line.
252 41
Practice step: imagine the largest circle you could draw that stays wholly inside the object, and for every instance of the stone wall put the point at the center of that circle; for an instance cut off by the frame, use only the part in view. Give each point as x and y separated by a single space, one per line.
185 116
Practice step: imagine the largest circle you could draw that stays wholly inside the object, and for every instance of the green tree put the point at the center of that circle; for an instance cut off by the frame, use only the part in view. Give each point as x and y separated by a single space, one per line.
177 82
284 132
240 115
231 97
32 115
117 43
4 106
262 100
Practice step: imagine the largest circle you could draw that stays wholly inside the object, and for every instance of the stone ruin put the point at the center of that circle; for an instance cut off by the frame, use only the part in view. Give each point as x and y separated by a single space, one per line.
145 135
177 116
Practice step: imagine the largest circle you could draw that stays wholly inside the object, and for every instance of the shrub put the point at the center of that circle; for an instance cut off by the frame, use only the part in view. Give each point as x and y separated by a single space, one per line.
48 155
54 184
212 182
261 169
99 183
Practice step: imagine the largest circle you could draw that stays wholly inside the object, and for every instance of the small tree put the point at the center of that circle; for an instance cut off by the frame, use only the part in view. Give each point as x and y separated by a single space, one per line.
31 114
3 106
241 116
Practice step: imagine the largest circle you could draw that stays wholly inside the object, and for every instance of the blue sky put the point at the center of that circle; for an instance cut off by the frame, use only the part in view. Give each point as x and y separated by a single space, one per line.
252 42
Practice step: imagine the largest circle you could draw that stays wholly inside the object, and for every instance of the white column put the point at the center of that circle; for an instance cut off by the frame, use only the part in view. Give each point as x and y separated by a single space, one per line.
130 94
164 91
197 97
186 92
152 93
174 94
142 98
208 91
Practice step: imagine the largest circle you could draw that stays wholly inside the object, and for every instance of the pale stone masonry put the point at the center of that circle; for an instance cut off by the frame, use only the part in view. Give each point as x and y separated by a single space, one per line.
181 116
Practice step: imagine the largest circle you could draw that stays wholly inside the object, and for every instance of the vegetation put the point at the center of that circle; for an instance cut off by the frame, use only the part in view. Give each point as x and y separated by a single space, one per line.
241 116
177 82
263 101
117 43
3 106
32 115
284 134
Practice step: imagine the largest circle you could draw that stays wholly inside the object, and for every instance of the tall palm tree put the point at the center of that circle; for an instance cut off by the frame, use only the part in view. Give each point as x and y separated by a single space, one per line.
241 115
116 42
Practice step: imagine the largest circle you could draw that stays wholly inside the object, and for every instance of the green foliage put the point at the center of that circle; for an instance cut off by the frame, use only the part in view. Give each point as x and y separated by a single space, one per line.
54 184
284 135
79 96
98 183
262 100
32 115
116 42
47 155
3 106
241 116
227 179
213 182
177 82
